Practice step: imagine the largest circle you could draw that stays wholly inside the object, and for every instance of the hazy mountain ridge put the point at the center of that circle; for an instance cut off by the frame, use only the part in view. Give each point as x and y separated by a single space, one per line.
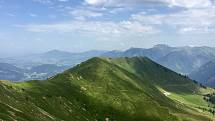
56 57
188 59
154 53
205 74
39 72
180 59
44 65
100 89
10 72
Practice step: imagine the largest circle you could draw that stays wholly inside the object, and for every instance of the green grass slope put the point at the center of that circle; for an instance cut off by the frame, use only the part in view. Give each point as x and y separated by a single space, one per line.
157 74
102 89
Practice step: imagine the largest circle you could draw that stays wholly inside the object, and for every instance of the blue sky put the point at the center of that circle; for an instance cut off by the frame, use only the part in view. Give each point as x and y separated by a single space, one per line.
34 26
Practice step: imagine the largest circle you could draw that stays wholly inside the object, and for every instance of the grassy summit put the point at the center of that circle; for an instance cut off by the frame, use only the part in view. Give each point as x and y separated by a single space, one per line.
104 89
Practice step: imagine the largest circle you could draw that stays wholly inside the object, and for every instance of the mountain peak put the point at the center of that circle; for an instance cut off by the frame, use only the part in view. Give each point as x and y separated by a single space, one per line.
56 51
161 46
134 48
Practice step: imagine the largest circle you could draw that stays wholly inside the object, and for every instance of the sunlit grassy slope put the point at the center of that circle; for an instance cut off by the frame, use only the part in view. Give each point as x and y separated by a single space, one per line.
103 89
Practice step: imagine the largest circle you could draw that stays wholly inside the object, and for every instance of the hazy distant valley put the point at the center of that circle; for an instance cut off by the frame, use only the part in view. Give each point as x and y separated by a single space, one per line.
41 66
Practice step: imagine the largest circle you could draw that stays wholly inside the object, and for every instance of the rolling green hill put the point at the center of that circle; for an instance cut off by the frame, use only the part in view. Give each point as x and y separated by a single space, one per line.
105 89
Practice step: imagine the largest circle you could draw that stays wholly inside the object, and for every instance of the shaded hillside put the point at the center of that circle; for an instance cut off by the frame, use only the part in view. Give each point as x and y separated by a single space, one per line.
157 74
205 74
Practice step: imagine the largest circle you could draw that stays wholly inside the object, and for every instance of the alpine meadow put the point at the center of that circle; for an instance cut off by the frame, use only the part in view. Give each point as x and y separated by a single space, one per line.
107 60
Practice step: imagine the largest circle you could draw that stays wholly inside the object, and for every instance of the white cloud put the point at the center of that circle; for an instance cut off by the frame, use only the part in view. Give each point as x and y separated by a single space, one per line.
143 17
193 20
198 18
189 3
81 14
43 1
96 2
33 15
11 14
180 3
198 30
93 28
189 20
119 9
63 0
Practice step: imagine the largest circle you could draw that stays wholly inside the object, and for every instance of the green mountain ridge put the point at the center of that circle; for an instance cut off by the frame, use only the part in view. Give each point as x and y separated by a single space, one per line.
105 89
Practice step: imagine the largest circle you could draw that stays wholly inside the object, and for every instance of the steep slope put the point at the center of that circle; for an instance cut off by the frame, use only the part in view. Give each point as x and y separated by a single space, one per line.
180 59
205 74
101 89
157 74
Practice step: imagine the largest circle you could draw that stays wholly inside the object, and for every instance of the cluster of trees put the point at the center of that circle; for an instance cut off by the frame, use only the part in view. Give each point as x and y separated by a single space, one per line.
194 81
210 109
200 84
210 98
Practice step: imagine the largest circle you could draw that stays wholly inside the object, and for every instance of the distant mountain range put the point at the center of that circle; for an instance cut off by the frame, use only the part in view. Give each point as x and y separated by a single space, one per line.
205 74
108 89
39 72
154 53
42 66
180 59
51 57
184 60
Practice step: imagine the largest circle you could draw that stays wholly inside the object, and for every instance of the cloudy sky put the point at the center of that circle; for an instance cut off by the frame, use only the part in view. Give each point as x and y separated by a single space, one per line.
33 26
